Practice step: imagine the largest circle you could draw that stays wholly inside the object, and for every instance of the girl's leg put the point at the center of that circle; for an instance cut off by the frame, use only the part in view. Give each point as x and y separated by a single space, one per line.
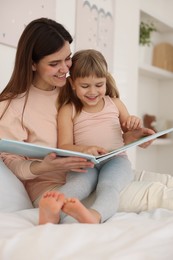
79 185
113 177
74 208
50 207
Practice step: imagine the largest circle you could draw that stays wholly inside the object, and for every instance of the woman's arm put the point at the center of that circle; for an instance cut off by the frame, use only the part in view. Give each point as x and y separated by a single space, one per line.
52 163
25 168
11 128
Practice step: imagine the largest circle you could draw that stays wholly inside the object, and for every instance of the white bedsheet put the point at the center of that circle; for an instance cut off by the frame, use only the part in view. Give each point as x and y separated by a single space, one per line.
144 236
126 236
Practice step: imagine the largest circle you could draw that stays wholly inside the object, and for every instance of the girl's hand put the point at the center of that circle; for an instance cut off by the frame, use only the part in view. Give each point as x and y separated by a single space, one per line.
94 150
132 123
52 163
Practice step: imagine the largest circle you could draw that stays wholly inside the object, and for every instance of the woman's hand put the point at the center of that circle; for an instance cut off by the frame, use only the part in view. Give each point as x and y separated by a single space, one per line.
52 163
134 135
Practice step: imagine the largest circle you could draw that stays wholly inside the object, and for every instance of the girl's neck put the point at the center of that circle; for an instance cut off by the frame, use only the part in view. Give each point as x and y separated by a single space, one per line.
94 109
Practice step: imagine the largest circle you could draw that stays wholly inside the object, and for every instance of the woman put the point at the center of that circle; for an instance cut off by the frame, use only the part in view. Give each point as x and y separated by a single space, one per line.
28 106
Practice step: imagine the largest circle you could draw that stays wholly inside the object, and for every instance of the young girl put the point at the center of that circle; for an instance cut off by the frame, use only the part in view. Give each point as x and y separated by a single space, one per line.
91 119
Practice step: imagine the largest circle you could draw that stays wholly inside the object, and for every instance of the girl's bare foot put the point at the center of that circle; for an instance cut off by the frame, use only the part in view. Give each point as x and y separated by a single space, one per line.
50 206
77 210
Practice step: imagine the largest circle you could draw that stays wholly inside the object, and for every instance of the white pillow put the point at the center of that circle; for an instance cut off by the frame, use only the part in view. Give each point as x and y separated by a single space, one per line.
13 194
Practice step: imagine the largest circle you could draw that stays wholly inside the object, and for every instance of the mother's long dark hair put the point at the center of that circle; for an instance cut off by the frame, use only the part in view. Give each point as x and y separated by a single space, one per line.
40 38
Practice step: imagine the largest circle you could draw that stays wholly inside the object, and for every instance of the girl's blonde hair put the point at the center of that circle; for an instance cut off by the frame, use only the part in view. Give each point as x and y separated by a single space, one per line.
84 64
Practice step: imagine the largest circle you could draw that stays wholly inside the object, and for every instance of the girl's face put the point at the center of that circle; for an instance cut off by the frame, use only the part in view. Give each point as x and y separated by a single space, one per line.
52 69
90 90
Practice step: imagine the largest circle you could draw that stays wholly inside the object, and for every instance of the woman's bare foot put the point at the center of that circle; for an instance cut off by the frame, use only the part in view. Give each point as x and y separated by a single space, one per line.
77 210
50 206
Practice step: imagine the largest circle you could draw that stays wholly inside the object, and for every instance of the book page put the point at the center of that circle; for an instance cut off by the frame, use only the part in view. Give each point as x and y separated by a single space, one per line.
133 144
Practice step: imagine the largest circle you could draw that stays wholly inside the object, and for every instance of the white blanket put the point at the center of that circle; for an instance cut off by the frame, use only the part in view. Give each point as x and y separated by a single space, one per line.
148 235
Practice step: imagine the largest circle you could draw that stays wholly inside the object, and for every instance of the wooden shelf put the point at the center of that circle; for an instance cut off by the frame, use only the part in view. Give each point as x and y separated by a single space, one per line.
163 26
155 86
155 72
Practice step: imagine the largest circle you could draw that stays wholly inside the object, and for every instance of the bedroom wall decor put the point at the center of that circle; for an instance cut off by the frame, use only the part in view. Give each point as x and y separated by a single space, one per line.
14 19
94 26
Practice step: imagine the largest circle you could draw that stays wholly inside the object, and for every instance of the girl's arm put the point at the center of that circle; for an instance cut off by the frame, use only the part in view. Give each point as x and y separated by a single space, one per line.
65 134
127 121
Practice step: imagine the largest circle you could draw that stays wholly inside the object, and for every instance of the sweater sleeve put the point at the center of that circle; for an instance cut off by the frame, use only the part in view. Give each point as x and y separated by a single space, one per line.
11 124
19 165
11 128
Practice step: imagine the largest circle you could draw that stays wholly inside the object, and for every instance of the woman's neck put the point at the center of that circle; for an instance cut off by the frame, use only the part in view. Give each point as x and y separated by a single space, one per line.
46 88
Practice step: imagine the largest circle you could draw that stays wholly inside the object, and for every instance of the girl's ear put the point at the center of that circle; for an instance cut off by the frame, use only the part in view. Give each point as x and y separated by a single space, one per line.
71 83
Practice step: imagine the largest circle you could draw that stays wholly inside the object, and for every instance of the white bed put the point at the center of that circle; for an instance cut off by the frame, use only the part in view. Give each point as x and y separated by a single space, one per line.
146 235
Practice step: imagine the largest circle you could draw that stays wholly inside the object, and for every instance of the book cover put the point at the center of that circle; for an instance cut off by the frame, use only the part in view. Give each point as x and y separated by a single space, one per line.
39 152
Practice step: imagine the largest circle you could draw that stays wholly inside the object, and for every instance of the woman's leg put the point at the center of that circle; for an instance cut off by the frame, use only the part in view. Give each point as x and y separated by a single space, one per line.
150 190
114 176
165 179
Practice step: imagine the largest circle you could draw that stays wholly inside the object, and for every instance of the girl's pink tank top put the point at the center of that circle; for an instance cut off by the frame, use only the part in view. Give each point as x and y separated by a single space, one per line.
101 129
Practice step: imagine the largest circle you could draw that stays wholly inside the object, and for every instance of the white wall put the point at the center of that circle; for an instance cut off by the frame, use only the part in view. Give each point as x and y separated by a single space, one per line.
14 15
7 55
125 55
67 16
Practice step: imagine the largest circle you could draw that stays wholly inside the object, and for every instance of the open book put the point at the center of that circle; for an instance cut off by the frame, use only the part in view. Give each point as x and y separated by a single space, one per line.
38 151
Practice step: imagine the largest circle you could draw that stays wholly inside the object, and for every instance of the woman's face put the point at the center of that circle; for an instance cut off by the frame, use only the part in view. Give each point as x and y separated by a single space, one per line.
51 71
